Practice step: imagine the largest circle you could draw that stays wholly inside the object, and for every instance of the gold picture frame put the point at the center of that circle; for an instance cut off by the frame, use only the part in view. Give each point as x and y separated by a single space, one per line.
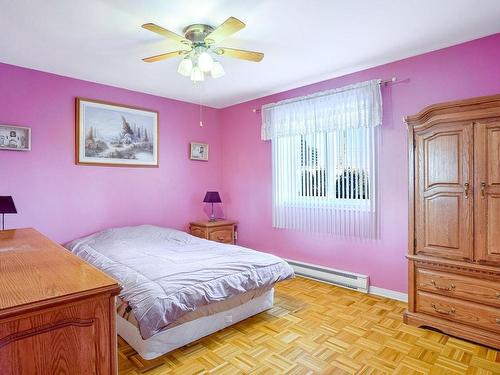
116 135
198 151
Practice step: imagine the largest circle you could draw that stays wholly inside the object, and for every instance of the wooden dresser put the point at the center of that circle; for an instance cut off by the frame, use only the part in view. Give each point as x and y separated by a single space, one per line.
454 219
221 231
57 312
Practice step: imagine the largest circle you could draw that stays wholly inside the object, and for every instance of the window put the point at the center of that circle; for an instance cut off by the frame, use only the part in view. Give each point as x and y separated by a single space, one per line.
333 167
324 150
326 169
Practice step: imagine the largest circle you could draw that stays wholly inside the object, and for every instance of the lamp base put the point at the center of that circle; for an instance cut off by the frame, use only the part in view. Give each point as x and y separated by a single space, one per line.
212 215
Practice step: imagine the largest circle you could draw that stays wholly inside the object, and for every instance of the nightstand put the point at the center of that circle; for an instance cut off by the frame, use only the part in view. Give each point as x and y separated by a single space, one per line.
221 231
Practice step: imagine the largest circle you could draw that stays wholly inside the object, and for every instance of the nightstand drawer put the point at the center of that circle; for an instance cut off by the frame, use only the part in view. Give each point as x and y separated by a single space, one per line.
199 232
221 234
221 231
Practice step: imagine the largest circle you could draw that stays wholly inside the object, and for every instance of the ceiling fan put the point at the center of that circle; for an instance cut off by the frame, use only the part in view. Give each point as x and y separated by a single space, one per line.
199 42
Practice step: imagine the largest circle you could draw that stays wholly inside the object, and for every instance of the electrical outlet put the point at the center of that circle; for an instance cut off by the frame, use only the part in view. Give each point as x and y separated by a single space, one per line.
228 319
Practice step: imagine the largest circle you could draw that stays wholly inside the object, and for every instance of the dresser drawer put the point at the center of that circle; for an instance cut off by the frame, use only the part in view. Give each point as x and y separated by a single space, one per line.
221 234
458 286
465 312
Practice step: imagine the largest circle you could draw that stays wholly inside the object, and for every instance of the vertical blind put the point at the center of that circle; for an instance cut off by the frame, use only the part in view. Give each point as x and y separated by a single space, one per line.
324 151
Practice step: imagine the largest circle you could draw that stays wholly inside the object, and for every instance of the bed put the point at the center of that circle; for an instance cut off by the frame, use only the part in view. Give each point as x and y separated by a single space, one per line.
177 288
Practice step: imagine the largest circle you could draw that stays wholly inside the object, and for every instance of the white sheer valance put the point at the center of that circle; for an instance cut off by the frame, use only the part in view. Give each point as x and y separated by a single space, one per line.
354 106
325 160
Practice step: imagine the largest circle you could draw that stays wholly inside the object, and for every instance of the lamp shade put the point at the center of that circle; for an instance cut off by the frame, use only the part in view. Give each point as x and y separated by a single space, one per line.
7 205
205 62
185 67
217 70
197 75
212 197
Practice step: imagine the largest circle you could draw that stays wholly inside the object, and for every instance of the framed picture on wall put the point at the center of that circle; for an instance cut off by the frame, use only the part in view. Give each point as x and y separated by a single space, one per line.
17 138
111 134
199 151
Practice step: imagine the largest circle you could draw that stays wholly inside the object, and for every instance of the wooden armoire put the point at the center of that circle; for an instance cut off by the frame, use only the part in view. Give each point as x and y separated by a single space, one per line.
454 219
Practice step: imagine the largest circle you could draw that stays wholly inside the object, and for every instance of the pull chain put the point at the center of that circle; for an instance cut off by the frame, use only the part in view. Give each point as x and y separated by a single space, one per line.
201 107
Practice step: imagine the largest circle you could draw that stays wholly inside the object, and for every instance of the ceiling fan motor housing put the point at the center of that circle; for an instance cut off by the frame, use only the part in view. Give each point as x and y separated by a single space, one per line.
196 33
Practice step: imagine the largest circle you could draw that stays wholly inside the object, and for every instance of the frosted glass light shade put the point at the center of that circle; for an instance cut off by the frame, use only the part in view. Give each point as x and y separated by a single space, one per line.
205 61
197 75
185 67
217 70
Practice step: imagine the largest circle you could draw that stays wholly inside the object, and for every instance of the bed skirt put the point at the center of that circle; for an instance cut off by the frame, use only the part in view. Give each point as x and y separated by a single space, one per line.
178 336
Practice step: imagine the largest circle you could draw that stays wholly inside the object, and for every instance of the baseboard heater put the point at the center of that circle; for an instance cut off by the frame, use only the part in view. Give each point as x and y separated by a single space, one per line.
344 279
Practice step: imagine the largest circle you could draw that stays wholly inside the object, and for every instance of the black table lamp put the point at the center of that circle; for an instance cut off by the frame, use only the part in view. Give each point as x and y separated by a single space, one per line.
212 197
6 207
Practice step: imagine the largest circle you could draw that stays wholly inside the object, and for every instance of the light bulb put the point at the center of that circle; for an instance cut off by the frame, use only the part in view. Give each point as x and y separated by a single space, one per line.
205 61
185 67
217 70
197 75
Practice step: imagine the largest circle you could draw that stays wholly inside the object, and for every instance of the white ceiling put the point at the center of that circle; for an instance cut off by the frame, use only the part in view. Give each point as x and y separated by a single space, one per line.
304 41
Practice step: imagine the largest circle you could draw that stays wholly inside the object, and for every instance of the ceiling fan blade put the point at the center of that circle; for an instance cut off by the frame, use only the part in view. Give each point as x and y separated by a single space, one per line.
164 56
166 33
227 28
240 54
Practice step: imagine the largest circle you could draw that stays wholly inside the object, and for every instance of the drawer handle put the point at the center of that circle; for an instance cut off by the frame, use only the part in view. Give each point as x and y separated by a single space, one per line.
220 238
498 294
497 320
443 311
444 288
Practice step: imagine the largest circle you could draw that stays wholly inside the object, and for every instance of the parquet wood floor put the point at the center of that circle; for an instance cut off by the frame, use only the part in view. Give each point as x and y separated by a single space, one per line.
316 328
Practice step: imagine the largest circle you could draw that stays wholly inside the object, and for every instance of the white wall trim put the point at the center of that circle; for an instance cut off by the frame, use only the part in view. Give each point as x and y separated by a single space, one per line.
392 294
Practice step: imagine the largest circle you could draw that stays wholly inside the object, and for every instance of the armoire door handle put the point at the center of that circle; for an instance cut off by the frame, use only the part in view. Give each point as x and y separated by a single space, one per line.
483 188
466 190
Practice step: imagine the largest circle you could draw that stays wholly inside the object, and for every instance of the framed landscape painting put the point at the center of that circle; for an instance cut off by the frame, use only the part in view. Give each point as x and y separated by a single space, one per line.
115 135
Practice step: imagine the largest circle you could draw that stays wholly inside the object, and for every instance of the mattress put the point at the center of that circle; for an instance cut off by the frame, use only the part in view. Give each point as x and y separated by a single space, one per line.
166 274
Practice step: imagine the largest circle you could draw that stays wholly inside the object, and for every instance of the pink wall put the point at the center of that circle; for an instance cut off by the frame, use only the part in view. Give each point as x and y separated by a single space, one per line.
466 70
64 200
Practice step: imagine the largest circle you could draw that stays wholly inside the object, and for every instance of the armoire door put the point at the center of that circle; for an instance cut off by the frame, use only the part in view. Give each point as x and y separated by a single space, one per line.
487 194
443 191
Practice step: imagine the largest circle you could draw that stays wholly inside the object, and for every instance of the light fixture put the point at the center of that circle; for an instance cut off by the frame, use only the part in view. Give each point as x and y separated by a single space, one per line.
7 206
205 61
212 197
217 70
199 62
185 67
197 75
200 44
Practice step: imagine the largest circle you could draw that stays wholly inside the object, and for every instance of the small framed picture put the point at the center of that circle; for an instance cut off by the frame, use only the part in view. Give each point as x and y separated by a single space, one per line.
199 151
17 138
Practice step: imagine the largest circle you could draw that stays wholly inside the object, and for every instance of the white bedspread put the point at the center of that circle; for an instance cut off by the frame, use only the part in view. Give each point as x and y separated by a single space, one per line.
167 273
